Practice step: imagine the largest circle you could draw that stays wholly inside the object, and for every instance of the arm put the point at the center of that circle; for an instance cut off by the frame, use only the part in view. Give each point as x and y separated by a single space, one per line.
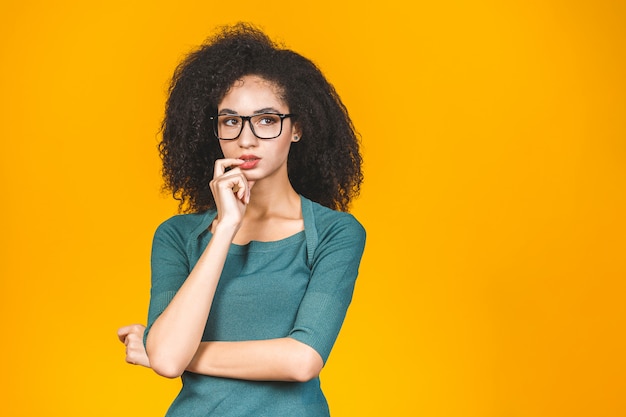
261 360
175 335
301 355
282 359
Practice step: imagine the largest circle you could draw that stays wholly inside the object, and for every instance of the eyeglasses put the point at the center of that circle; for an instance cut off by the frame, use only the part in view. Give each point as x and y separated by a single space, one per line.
263 126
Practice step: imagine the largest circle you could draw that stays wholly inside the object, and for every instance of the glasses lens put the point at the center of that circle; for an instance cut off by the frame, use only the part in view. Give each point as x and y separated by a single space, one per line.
228 127
264 126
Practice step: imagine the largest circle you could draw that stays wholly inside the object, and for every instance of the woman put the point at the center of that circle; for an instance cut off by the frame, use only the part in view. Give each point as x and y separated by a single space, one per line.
250 288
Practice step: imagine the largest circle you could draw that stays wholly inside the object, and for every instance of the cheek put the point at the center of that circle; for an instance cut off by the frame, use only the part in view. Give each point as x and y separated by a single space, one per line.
285 148
227 148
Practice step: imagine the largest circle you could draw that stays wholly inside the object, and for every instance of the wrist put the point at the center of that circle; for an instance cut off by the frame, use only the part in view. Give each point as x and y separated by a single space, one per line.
225 228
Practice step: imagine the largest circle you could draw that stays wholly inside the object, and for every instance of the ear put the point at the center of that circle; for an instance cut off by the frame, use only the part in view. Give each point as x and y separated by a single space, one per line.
296 133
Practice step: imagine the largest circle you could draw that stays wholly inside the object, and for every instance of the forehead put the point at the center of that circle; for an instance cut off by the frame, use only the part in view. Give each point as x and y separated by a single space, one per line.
251 93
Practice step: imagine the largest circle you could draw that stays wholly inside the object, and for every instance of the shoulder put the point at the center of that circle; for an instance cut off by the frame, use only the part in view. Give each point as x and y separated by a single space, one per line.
328 219
182 227
331 223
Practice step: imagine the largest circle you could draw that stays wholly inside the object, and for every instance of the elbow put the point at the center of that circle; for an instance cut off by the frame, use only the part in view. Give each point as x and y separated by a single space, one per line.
307 365
165 365
167 370
163 360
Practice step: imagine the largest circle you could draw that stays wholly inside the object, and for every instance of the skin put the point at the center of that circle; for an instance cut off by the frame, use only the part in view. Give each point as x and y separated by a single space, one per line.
256 203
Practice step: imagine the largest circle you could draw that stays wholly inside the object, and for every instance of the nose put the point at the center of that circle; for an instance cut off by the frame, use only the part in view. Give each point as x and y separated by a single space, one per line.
247 138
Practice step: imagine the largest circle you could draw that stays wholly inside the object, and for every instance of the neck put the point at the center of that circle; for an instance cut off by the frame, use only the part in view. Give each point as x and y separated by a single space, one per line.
268 198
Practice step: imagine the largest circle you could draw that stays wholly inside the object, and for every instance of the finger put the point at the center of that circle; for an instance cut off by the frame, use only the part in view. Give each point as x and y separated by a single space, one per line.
243 189
234 180
122 332
250 185
221 164
131 355
138 328
131 339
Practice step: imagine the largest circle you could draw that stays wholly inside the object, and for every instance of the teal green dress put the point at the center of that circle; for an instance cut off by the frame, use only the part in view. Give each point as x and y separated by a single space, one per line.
298 287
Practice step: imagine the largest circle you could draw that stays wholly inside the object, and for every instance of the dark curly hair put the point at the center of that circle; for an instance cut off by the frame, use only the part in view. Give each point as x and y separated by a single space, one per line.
325 166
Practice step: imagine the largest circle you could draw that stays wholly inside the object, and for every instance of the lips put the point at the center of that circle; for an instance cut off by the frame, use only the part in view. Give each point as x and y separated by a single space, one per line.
250 161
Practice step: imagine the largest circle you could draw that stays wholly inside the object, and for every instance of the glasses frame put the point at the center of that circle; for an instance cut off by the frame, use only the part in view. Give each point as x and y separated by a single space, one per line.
248 119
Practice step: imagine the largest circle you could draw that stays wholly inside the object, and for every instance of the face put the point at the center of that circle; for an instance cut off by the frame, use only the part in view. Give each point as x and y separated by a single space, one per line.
265 158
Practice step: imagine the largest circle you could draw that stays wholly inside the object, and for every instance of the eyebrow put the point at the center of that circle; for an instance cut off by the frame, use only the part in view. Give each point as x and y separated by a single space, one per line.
261 111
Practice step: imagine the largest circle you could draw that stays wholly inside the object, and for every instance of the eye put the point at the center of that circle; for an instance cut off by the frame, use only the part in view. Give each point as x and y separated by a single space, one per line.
268 119
229 121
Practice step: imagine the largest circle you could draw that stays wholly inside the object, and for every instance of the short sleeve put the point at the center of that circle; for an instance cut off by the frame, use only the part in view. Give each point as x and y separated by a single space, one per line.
169 269
329 292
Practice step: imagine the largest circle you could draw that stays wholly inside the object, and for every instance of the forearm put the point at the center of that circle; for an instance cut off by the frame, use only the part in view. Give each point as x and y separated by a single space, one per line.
175 336
283 359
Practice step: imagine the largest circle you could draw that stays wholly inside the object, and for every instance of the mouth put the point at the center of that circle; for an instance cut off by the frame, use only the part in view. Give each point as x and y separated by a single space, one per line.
250 161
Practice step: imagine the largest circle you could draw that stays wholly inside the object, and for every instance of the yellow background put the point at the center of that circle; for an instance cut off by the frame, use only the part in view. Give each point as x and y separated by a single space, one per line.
493 283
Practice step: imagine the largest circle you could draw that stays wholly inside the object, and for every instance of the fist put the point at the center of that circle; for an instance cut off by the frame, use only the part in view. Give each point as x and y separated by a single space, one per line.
132 337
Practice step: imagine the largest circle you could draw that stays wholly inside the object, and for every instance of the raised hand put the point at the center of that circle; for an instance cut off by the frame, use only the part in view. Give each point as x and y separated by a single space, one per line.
231 191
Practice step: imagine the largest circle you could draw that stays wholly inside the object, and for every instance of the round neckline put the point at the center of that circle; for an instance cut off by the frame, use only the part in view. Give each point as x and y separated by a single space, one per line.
262 246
